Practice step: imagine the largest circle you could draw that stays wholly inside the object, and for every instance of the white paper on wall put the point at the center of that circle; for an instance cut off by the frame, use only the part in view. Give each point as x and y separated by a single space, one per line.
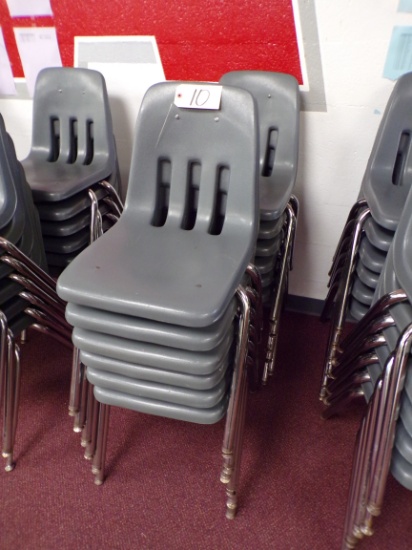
7 86
34 8
38 49
129 64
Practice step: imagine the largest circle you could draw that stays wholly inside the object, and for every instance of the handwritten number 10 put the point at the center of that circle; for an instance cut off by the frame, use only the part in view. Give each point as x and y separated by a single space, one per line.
199 99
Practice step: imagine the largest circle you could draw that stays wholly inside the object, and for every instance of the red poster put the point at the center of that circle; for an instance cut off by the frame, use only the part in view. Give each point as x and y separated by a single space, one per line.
198 40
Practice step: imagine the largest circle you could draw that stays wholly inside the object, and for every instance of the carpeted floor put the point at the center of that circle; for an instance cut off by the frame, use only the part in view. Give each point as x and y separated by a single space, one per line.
162 489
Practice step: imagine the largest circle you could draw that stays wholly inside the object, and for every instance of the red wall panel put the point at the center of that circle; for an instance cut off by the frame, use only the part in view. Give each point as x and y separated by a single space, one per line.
198 40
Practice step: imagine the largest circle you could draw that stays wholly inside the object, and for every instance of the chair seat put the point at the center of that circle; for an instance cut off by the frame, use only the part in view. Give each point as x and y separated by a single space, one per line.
151 355
144 330
363 293
64 210
160 408
372 257
162 376
357 309
270 228
401 469
71 226
268 247
162 275
199 399
368 277
386 203
377 235
52 181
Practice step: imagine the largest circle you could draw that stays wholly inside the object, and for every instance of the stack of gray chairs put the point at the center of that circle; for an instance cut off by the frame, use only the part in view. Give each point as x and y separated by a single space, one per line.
376 363
73 150
278 104
27 294
160 303
373 220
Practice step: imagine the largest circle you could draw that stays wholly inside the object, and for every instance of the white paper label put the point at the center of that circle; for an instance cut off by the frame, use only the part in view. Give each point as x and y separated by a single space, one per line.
198 96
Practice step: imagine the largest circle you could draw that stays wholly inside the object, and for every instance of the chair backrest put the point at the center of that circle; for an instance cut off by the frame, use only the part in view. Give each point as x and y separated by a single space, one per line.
71 117
388 175
194 169
8 195
402 248
278 104
23 229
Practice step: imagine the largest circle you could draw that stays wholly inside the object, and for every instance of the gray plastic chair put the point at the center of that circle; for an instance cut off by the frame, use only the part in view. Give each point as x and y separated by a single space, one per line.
384 442
172 296
72 149
72 141
177 257
278 105
384 190
22 268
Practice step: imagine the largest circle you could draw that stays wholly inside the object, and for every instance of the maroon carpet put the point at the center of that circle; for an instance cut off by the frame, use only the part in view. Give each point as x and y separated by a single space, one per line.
162 489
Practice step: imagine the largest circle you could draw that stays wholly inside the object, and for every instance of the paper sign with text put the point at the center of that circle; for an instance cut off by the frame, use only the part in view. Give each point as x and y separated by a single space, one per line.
198 96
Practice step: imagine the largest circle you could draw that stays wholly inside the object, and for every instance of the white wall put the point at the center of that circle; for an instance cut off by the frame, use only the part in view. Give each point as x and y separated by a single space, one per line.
354 38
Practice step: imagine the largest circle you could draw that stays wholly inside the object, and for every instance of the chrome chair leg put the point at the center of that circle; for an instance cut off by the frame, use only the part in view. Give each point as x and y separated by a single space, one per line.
353 345
96 224
49 297
346 359
238 377
276 309
361 474
87 432
75 383
113 194
232 486
37 302
381 306
3 354
344 401
113 206
358 365
339 313
393 380
80 415
256 281
354 211
294 203
101 443
92 420
347 387
375 326
11 401
21 268
13 251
